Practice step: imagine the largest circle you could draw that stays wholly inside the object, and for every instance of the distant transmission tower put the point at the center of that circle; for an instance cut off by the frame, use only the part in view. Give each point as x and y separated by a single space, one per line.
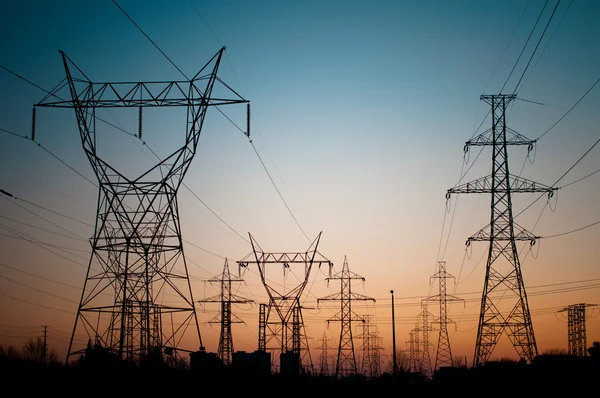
370 365
443 356
226 317
414 360
576 328
287 330
137 299
346 360
425 329
504 306
324 357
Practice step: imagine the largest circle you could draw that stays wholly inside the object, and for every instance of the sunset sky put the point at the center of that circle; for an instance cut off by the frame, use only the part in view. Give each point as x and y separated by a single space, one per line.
359 114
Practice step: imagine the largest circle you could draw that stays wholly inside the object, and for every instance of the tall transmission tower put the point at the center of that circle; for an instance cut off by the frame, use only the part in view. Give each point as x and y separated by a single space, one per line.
576 314
346 360
504 306
287 330
226 318
137 301
324 356
443 356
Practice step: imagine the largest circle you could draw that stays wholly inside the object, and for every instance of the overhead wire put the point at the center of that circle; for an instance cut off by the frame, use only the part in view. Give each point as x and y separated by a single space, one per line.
537 46
255 150
524 47
250 141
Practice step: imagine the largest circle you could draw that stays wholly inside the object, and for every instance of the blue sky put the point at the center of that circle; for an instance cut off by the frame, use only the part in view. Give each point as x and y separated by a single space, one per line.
360 111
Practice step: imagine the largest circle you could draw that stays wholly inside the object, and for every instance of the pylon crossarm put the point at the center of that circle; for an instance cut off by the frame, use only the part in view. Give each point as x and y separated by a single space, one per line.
486 185
512 138
87 94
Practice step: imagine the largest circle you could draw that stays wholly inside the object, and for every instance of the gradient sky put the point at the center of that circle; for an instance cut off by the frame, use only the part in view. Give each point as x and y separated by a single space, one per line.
360 111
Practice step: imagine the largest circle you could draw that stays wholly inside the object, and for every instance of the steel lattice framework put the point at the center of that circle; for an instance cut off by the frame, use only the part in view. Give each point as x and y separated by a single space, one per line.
577 342
443 356
226 318
425 329
504 305
370 365
323 357
137 299
346 360
287 331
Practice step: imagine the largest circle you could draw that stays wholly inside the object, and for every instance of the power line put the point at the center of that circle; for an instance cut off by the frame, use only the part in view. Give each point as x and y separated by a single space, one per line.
52 154
253 146
572 231
151 41
569 111
536 47
524 47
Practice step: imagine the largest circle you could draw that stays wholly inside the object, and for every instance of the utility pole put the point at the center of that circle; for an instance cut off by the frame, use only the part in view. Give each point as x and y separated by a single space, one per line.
226 298
395 359
346 360
576 328
504 305
137 285
45 346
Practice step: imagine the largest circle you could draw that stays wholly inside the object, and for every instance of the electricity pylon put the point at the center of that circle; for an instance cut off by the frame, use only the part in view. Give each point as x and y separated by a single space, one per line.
370 365
443 356
324 356
425 329
576 328
504 306
414 358
287 330
346 360
226 317
137 300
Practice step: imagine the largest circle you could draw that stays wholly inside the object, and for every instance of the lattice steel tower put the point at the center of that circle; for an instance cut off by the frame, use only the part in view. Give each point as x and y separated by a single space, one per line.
425 328
324 356
370 364
414 351
226 318
443 356
287 330
576 328
137 301
346 359
504 306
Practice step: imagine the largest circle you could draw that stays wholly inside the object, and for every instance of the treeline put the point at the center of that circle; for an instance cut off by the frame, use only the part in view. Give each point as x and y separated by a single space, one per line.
552 372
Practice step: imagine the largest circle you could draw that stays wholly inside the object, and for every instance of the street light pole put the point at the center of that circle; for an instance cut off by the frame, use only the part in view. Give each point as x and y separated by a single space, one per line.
395 366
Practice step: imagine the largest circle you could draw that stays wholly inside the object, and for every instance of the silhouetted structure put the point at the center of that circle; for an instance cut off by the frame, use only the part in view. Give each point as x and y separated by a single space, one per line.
443 356
346 360
287 330
137 300
504 306
414 364
324 356
226 318
424 328
576 314
371 363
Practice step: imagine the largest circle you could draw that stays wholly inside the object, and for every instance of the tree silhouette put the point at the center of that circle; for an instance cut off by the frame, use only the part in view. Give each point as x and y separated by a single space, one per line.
10 352
33 350
594 350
